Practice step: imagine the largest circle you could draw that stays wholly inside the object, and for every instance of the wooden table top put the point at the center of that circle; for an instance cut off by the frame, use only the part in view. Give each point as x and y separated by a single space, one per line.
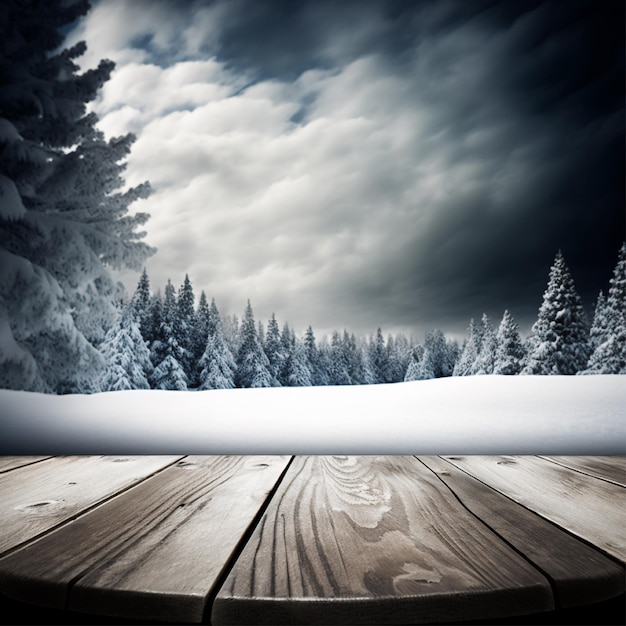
312 539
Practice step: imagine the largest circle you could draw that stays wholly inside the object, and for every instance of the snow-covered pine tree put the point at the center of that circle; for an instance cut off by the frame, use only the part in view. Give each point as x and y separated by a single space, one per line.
252 363
420 365
63 222
559 339
185 327
169 375
356 359
140 303
395 359
599 332
470 351
200 331
287 343
403 348
274 351
323 371
485 361
426 366
338 362
297 367
312 354
217 364
608 335
127 357
440 359
510 352
84 189
165 352
154 320
412 370
379 359
362 373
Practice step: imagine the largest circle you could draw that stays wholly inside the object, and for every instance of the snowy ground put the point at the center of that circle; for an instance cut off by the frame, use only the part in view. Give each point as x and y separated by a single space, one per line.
469 415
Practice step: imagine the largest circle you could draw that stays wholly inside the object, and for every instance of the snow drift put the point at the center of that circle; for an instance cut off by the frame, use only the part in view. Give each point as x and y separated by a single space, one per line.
468 415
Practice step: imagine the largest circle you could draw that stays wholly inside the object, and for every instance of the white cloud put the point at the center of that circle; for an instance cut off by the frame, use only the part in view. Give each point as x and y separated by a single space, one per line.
302 196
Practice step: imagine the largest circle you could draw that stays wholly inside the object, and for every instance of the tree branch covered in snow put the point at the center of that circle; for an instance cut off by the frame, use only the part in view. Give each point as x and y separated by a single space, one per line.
64 217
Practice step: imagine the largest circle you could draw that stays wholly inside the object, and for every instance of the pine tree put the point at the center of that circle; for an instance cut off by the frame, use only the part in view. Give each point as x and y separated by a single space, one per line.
154 319
127 357
200 332
403 348
63 221
338 362
217 365
185 327
486 358
140 303
608 333
440 358
274 351
510 352
287 345
252 363
169 375
312 355
355 358
470 351
395 358
166 353
599 332
420 365
412 371
297 367
379 359
559 337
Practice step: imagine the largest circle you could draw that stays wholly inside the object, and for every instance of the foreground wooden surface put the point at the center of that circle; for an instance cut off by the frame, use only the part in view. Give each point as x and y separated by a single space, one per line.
312 539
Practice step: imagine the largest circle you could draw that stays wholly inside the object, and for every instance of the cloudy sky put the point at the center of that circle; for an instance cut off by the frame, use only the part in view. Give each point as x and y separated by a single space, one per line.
355 164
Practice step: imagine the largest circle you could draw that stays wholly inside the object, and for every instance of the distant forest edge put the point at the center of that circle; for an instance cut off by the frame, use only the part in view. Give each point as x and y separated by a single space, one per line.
165 342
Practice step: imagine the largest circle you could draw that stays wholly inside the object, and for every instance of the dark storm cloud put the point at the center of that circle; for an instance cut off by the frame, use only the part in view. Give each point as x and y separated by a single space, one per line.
370 162
552 79
555 69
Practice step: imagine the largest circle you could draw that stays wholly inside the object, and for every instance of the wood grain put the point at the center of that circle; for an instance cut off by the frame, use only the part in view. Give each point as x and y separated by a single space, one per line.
581 574
153 552
373 540
8 463
38 497
611 468
590 508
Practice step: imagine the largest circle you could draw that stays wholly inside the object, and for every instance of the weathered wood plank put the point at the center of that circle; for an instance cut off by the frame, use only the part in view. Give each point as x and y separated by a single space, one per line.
8 463
612 468
38 497
581 574
590 508
373 540
155 551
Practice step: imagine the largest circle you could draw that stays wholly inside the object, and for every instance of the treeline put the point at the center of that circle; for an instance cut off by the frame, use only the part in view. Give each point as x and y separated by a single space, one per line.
165 342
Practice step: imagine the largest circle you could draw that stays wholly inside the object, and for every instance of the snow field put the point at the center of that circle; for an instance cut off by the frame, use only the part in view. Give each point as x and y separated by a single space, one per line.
457 415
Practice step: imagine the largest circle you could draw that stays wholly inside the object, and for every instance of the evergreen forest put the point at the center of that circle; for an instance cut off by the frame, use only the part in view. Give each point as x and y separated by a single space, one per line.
163 341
